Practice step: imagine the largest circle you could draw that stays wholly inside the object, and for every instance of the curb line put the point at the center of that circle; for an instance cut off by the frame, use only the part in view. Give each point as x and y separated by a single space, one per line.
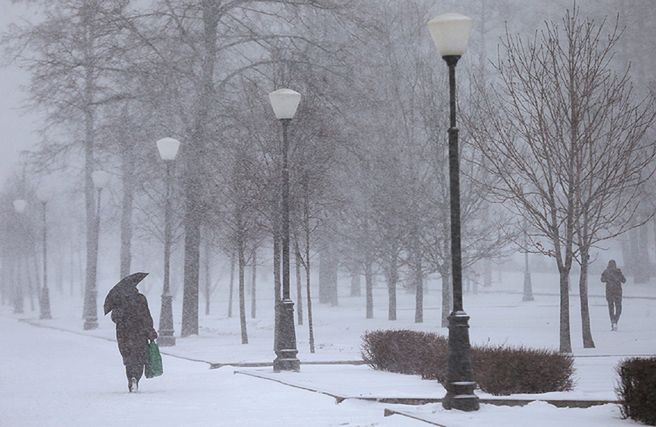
212 365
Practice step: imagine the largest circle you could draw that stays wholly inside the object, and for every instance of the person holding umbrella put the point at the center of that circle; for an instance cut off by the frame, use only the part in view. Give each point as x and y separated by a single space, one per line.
134 325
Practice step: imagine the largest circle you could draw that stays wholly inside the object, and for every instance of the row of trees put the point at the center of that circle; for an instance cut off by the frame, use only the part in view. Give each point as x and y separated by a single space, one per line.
554 135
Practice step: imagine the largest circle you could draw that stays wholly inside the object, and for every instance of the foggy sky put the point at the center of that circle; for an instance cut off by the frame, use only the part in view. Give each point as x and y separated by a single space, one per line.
17 127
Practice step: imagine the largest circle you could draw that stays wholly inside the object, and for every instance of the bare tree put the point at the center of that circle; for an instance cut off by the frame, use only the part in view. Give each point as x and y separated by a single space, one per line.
71 54
562 123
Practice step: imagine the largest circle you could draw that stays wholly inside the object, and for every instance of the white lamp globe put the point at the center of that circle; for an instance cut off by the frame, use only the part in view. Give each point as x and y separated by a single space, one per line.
100 179
284 103
20 205
450 33
168 148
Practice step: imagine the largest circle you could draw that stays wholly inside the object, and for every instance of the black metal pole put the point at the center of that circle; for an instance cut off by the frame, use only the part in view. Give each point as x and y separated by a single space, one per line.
286 351
91 317
460 379
45 295
166 336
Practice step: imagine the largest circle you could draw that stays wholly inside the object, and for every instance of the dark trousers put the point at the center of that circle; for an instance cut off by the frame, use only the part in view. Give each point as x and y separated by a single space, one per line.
134 371
614 307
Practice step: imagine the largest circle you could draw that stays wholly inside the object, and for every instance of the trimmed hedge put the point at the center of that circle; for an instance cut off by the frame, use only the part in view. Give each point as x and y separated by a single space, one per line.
406 352
498 370
637 389
506 370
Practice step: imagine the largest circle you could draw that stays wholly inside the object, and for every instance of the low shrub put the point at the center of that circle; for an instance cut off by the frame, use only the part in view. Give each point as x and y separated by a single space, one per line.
503 370
497 370
637 389
402 351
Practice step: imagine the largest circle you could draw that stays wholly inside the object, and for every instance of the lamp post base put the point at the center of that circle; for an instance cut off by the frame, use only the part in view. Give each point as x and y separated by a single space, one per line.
45 304
286 350
91 323
460 380
166 333
166 339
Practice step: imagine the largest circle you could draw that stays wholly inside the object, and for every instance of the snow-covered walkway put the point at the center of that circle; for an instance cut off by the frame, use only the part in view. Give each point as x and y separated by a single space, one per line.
53 378
58 378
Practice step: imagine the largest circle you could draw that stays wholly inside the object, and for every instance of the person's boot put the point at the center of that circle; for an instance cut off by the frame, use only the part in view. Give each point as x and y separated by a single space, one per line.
133 385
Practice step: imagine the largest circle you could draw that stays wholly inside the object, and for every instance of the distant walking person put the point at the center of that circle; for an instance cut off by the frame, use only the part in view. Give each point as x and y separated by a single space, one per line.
613 278
134 325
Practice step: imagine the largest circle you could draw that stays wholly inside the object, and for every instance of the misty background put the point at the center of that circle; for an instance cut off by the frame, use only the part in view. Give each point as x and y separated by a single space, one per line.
367 192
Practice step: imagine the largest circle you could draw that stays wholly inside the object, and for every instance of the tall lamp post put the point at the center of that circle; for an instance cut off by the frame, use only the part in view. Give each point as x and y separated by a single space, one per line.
450 32
100 179
284 103
19 207
168 150
44 301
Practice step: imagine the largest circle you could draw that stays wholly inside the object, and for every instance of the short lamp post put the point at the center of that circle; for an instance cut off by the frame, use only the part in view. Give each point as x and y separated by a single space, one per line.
450 32
284 103
168 150
19 207
100 179
44 300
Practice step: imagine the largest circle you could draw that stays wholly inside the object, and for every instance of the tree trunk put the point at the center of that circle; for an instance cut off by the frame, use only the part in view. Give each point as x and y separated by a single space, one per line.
369 285
194 153
565 339
419 289
80 272
392 278
299 284
191 271
242 292
71 273
208 276
307 285
127 168
643 273
328 275
89 199
356 283
232 283
254 286
306 229
31 285
588 342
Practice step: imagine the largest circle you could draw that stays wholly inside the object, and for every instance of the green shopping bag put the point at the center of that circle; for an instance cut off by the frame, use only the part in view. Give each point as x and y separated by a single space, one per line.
154 366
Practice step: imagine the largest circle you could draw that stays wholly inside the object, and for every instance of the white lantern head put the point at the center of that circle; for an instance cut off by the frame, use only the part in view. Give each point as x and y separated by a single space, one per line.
450 33
168 148
100 179
284 103
20 205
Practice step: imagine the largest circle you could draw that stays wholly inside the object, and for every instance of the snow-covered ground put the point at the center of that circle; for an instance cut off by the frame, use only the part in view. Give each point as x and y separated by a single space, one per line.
58 378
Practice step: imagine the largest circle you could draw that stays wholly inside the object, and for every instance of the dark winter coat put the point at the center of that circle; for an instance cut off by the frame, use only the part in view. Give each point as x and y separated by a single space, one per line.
613 278
134 327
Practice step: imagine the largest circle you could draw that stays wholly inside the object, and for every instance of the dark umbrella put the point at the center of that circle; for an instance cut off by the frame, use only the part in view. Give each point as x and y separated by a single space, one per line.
122 289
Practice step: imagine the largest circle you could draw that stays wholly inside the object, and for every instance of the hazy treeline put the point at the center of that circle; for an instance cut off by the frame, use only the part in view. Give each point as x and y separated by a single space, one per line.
546 114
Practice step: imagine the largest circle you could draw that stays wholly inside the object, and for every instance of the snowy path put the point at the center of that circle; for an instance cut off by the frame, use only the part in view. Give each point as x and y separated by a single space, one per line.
52 378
